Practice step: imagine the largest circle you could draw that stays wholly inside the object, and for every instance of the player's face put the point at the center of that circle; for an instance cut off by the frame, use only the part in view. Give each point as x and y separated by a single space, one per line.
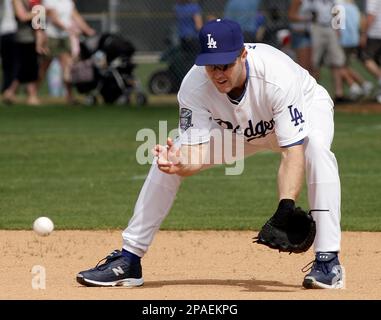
228 77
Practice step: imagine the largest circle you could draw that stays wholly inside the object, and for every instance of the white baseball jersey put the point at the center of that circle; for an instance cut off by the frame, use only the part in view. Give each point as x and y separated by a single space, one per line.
276 101
282 104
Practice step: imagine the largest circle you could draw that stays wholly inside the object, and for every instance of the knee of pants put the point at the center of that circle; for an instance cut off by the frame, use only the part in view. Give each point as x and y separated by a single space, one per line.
169 181
320 162
316 147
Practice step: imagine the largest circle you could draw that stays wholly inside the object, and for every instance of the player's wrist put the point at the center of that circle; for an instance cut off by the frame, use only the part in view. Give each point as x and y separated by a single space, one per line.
286 204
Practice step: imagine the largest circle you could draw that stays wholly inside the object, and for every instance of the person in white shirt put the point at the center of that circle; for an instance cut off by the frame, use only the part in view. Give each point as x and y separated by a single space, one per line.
265 101
326 48
63 21
370 40
8 28
350 42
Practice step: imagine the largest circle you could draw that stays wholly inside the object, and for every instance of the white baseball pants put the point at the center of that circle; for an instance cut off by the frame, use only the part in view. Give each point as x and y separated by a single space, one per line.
159 190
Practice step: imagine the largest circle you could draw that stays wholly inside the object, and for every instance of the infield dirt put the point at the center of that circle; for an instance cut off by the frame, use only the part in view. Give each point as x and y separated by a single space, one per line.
180 265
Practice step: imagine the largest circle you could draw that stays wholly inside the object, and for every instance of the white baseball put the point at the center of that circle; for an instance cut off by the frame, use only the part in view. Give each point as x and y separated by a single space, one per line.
43 226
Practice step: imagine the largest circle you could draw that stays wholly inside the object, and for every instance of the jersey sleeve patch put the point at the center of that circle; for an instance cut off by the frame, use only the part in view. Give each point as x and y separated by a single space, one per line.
185 118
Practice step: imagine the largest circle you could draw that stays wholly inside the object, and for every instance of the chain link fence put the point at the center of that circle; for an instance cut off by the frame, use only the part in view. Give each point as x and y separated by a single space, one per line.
151 25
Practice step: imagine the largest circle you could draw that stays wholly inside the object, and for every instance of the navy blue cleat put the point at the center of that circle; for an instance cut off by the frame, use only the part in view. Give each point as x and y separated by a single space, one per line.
326 272
117 270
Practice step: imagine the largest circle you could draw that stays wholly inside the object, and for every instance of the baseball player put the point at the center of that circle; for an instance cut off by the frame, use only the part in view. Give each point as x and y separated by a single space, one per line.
269 102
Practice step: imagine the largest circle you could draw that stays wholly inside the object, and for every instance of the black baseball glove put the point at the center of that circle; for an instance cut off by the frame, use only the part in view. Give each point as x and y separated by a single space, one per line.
290 229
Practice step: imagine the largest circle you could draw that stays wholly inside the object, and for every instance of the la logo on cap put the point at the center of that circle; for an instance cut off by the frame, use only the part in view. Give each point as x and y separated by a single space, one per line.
212 44
221 41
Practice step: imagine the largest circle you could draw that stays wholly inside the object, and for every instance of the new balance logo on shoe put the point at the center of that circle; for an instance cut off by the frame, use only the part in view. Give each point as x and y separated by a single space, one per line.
117 271
337 270
212 44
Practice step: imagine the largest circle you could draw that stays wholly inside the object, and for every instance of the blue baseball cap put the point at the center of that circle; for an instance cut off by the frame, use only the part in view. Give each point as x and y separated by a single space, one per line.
221 41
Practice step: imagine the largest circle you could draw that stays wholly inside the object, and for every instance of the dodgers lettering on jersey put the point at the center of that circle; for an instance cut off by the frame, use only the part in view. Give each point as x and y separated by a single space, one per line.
278 95
259 130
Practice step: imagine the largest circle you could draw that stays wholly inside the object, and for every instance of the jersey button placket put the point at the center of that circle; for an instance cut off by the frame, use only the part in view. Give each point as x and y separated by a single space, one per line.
238 116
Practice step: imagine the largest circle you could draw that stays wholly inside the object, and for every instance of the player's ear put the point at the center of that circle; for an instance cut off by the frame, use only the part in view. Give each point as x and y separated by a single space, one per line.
244 53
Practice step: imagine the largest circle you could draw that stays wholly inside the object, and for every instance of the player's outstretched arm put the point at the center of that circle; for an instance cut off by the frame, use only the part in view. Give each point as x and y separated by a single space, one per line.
291 172
184 161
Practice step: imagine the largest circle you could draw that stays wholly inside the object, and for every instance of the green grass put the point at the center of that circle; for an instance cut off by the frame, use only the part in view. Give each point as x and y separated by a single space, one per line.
326 79
77 165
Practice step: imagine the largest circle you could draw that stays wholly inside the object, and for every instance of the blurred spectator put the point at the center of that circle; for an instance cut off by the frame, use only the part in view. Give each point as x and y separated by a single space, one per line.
74 40
300 17
325 45
274 22
63 24
184 47
350 41
284 41
371 40
245 12
54 79
189 22
8 28
210 17
26 54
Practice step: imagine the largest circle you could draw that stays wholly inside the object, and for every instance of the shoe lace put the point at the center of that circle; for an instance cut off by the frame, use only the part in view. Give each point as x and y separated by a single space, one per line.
317 265
113 255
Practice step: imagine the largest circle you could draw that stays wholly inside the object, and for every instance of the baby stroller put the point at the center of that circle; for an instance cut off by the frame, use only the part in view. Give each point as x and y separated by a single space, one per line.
105 69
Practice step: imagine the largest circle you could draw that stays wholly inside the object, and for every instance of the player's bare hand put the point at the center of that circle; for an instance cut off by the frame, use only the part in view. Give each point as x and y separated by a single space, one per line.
168 157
